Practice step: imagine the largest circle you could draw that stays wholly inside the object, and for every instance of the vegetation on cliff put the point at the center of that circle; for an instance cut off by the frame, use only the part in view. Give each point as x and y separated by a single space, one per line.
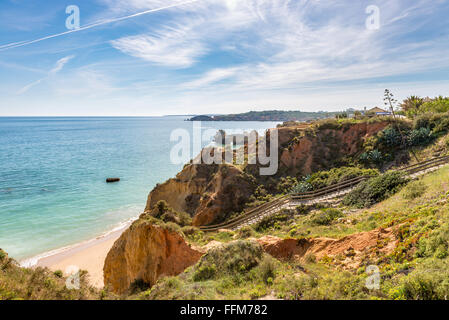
320 251
17 283
407 240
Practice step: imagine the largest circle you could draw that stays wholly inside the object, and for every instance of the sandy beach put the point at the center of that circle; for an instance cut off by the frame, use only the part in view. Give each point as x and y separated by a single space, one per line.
89 256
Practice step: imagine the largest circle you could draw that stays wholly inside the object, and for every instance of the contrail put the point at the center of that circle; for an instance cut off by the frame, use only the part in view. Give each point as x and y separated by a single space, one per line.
92 25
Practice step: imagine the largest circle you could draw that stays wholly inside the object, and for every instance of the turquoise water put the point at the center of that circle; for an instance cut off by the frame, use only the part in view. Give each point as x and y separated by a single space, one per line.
53 170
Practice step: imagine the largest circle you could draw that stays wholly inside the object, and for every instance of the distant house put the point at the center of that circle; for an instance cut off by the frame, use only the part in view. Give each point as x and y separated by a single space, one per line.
378 112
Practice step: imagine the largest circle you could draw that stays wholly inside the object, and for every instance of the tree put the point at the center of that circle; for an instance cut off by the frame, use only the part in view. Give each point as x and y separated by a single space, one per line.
389 100
412 105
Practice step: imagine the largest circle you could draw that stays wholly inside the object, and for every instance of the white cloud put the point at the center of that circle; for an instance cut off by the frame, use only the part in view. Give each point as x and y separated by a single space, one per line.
29 86
59 65
266 54
172 47
212 77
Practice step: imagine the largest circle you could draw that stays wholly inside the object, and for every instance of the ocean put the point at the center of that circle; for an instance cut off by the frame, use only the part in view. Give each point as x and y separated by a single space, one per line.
53 192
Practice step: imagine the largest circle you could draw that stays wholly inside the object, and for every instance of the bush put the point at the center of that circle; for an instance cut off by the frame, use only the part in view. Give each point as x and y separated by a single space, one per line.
302 186
2 255
159 209
192 233
375 190
189 230
436 245
428 282
442 126
58 273
437 105
267 269
204 272
273 221
374 156
390 137
414 190
286 185
436 122
420 137
246 232
231 259
324 179
163 212
326 216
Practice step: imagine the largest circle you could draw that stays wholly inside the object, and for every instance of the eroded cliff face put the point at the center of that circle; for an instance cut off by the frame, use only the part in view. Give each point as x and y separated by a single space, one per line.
313 152
354 249
208 192
146 252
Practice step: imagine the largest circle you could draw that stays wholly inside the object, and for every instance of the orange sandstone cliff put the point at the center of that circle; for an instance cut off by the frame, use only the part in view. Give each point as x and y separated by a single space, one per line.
208 192
146 252
211 193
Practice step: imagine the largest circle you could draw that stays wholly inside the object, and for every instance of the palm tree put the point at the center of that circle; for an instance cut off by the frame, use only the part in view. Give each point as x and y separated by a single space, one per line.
412 104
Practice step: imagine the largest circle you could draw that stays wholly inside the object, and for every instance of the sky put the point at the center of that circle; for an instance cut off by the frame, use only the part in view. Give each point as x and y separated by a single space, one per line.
161 57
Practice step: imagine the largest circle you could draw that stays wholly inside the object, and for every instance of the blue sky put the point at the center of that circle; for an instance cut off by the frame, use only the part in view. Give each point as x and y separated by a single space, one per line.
218 56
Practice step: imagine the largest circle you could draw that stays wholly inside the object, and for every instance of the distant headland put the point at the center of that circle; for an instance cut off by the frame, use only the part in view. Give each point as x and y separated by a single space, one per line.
273 115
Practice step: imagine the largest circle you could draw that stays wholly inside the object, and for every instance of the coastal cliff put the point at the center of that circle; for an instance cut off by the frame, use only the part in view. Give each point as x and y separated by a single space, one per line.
145 252
211 193
320 148
206 192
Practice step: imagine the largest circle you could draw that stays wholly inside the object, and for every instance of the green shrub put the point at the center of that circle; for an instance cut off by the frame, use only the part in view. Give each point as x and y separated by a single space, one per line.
302 186
430 281
190 230
286 185
246 232
326 216
159 209
171 226
2 255
192 233
372 157
324 179
267 269
274 220
204 272
419 137
435 245
375 190
58 273
442 126
163 212
436 105
414 190
390 137
436 122
224 236
232 259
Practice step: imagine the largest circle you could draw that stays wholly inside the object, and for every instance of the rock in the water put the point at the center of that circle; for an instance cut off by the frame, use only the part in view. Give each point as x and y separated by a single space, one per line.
111 180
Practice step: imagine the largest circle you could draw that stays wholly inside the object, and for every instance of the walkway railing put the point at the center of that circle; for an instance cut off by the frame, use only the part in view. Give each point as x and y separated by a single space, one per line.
334 191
